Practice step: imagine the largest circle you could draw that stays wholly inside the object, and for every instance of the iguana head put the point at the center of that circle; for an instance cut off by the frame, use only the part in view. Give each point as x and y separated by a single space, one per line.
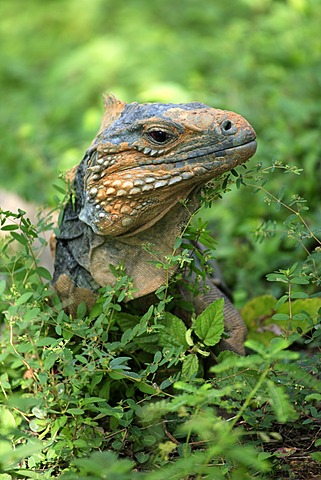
147 157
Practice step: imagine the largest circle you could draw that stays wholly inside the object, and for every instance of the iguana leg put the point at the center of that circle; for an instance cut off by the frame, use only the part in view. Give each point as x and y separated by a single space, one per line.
72 296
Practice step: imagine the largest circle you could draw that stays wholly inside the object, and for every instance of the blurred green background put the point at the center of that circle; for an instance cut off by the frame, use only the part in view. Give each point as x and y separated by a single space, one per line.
260 58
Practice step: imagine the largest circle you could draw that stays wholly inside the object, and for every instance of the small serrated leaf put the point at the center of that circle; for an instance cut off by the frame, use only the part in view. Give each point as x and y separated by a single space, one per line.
190 366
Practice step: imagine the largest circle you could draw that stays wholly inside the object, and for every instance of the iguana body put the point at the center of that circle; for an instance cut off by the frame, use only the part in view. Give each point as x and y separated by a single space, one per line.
129 190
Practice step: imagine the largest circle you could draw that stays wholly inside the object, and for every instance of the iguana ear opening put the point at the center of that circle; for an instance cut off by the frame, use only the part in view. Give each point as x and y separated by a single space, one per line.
113 109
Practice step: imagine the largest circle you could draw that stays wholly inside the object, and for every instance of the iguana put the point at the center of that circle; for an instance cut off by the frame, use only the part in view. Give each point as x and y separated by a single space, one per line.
137 184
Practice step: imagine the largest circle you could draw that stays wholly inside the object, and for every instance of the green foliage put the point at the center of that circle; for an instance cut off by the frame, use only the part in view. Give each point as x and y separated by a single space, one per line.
77 395
209 325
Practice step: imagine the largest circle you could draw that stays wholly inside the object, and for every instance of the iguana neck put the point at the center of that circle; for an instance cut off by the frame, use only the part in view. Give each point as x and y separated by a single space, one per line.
88 255
144 255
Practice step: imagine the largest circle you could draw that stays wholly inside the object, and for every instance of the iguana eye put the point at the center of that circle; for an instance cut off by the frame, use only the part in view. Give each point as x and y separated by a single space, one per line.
159 136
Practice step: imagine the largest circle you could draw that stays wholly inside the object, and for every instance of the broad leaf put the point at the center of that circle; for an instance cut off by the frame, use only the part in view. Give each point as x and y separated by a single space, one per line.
209 325
174 333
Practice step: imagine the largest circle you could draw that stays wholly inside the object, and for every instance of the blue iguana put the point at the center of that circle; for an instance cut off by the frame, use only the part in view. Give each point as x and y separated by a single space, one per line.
137 184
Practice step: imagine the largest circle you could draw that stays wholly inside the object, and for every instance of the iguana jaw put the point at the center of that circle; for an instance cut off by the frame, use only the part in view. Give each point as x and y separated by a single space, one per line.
121 205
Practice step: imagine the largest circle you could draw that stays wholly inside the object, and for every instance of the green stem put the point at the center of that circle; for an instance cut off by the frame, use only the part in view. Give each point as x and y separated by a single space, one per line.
249 398
295 212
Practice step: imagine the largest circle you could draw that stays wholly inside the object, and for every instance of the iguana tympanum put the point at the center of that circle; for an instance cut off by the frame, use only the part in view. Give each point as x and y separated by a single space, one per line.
131 189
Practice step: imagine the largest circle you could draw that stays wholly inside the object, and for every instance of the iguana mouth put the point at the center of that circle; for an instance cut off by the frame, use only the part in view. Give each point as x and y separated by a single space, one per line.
247 147
124 195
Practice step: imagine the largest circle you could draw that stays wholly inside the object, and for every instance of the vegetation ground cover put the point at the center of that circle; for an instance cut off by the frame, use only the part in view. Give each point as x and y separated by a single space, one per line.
113 395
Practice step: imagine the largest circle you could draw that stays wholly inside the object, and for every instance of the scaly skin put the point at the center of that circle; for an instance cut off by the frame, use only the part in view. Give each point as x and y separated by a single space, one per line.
144 162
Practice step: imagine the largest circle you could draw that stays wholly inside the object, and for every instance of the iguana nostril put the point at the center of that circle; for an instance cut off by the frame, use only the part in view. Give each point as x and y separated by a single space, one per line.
228 128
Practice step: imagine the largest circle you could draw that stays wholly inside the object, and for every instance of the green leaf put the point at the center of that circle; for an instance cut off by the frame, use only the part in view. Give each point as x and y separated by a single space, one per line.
5 476
300 317
278 344
229 360
20 238
24 298
281 316
91 400
299 295
209 325
46 341
313 396
9 456
300 281
50 360
281 193
190 366
75 411
281 301
8 228
43 272
316 456
118 363
277 277
308 307
37 425
4 382
256 347
142 457
279 401
188 337
7 421
2 286
143 387
174 333
37 412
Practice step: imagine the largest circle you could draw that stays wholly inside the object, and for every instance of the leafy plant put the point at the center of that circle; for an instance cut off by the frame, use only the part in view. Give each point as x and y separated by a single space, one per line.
125 394
79 394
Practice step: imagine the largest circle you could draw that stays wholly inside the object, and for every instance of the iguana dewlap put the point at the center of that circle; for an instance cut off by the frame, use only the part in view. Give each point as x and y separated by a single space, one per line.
129 190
